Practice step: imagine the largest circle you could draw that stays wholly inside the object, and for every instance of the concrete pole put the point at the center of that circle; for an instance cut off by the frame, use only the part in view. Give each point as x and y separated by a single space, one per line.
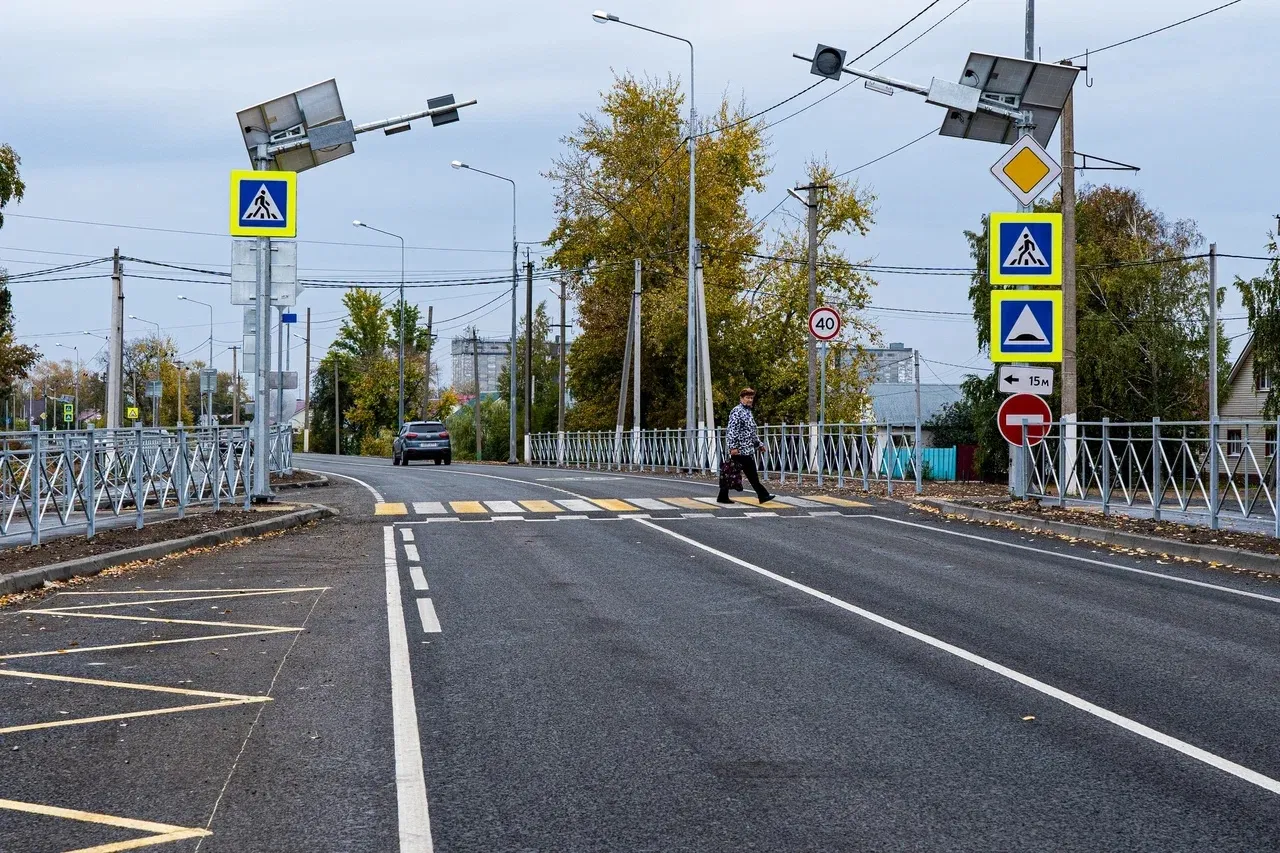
635 365
261 491
812 205
1213 386
475 376
560 407
235 385
115 347
511 362
691 354
704 346
306 393
1069 374
337 413
528 360
426 374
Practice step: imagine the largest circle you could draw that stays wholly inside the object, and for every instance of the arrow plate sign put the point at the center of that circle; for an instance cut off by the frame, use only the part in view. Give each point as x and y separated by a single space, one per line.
1026 380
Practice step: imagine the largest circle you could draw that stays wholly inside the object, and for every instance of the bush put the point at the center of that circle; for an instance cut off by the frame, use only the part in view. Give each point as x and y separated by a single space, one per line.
377 445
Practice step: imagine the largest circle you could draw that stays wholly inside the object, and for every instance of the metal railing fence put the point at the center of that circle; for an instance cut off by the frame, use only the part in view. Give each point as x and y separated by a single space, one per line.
66 478
858 453
1206 473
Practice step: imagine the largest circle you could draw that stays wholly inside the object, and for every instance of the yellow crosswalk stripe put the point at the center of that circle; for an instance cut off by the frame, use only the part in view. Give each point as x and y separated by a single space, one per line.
834 501
539 506
384 508
687 503
466 507
613 505
752 502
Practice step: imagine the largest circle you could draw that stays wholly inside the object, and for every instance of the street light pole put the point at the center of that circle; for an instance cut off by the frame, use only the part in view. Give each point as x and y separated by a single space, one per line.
691 352
357 223
515 283
210 364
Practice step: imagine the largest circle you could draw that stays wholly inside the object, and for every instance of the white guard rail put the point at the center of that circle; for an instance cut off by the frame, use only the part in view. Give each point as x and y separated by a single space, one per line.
74 478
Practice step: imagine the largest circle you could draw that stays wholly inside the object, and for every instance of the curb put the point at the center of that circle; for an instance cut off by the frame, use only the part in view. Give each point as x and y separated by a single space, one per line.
35 577
311 484
1204 553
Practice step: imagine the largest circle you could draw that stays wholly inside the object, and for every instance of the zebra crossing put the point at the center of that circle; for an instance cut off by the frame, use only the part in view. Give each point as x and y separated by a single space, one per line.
607 506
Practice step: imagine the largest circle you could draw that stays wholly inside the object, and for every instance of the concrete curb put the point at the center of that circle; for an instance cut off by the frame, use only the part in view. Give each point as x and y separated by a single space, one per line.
1205 553
35 577
313 484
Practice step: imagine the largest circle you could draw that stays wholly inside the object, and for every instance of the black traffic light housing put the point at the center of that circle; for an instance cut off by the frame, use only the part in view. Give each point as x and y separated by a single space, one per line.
827 62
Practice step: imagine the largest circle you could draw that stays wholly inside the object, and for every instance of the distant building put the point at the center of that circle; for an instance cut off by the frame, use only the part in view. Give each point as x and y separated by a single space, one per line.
492 356
891 389
1247 389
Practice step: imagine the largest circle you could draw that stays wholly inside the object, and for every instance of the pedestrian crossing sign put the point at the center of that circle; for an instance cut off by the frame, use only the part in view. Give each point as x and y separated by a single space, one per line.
264 204
1026 248
1026 325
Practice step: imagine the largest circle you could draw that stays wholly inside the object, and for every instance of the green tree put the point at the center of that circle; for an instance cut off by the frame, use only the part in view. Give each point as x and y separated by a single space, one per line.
1261 298
1142 348
622 190
15 358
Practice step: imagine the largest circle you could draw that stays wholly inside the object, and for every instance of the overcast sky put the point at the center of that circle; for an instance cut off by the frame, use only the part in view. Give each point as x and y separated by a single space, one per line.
124 113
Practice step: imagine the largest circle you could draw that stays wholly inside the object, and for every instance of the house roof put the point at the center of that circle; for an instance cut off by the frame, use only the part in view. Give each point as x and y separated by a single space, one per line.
1240 359
895 402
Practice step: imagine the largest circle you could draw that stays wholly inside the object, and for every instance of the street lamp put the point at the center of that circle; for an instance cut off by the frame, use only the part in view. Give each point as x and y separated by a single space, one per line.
515 279
76 349
210 364
358 224
691 368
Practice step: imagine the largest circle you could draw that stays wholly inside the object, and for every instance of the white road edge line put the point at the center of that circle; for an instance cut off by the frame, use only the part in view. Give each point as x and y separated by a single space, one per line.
1238 770
377 496
427 613
411 782
418 578
1090 561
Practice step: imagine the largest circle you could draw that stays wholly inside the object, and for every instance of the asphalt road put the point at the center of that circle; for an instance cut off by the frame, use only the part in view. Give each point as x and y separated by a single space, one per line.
499 658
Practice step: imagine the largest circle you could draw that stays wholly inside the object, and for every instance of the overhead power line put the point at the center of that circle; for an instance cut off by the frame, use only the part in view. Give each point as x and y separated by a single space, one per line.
1153 32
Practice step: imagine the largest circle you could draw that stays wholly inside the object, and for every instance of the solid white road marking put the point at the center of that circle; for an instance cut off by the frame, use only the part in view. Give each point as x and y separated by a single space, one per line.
579 506
504 506
406 534
411 551
1216 761
1089 561
427 612
428 507
411 783
418 578
651 503
377 495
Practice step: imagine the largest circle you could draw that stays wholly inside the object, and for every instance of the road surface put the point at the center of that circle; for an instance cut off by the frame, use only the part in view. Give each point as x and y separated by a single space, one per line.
494 658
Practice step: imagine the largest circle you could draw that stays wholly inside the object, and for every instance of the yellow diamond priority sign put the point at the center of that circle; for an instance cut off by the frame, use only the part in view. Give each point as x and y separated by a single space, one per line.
1026 170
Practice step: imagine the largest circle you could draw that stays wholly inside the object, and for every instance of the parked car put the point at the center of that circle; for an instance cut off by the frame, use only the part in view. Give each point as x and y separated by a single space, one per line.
422 440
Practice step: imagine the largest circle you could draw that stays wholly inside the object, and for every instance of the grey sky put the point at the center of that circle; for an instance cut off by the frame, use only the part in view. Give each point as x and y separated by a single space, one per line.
124 112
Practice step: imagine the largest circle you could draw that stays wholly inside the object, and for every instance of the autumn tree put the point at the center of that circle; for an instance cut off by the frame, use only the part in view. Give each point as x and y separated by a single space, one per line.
15 358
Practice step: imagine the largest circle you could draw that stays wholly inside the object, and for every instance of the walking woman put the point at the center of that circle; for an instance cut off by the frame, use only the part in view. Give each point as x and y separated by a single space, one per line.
743 444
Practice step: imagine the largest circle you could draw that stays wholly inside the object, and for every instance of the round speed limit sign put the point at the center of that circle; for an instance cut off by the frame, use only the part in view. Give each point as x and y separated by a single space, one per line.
824 323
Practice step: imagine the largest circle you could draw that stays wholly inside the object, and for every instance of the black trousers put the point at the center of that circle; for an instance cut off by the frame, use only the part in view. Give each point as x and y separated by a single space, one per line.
748 465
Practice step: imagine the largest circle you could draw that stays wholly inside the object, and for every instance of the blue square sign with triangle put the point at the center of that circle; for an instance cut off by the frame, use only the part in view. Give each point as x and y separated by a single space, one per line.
1026 326
264 204
1026 248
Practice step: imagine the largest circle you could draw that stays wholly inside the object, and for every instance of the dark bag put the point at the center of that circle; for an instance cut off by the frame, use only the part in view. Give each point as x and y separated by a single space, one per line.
730 474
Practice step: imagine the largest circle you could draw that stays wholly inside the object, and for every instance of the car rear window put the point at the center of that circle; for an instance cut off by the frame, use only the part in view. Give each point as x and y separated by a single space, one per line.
421 426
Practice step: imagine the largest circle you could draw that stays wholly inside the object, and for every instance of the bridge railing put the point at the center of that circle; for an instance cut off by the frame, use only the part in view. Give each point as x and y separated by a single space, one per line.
72 478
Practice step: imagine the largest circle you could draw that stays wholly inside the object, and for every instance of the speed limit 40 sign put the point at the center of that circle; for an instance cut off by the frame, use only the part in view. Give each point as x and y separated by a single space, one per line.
824 323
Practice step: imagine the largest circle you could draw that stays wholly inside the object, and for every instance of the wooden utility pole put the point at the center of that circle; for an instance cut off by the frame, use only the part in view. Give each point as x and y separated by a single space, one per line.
306 393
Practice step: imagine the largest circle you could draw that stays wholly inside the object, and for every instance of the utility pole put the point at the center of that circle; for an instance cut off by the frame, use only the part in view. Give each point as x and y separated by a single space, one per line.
261 487
635 366
337 412
528 359
235 384
560 407
1214 430
812 205
475 377
1069 376
306 394
426 373
115 347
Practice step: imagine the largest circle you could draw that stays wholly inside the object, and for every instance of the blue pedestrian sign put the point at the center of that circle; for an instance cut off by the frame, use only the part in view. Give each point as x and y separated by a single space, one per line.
1026 248
1026 325
264 204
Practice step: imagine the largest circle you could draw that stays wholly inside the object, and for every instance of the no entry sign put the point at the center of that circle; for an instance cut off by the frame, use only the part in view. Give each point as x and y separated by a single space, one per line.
1020 409
824 323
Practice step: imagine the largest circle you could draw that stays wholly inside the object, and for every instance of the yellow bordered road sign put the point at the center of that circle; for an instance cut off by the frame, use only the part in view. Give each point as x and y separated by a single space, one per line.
132 413
1026 325
264 204
1025 248
1026 170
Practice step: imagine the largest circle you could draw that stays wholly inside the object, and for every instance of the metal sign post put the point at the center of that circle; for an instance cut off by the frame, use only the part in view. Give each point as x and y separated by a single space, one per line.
825 324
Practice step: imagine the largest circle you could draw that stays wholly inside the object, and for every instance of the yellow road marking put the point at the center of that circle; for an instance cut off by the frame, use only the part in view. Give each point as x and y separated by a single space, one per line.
539 506
461 507
687 503
613 505
384 508
163 832
142 643
738 499
828 499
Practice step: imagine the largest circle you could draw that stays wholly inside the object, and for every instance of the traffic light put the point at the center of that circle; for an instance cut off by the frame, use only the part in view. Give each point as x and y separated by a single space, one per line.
827 62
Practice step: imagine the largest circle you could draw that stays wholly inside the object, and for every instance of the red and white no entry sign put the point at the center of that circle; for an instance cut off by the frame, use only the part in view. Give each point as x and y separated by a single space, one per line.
824 323
1020 409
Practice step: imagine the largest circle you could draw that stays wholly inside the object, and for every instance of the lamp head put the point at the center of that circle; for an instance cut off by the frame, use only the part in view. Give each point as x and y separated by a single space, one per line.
602 17
183 298
458 164
357 223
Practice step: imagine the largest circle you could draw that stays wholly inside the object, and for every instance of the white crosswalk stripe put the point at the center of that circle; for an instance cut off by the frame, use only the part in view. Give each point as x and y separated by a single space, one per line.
651 503
800 502
504 506
429 508
574 505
